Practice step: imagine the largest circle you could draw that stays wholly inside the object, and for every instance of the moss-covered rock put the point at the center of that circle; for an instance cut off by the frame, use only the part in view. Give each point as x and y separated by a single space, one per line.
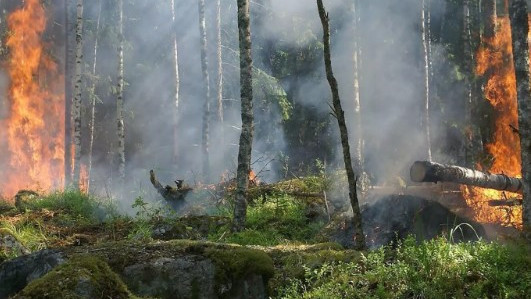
10 246
83 276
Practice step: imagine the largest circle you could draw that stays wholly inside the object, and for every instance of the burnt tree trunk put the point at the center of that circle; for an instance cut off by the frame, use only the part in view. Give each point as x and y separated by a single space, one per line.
426 171
246 136
426 106
340 115
519 30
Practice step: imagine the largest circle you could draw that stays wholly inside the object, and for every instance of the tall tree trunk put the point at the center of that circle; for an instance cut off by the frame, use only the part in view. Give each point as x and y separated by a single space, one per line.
519 30
358 132
175 113
246 136
76 109
340 115
471 136
219 66
120 97
488 8
69 40
93 98
426 107
206 89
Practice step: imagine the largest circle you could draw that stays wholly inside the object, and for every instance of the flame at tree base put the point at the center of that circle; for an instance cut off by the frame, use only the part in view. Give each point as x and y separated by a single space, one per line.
34 156
495 61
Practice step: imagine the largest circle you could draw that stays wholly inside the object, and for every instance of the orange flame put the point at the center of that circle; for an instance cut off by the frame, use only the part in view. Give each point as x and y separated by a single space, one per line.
495 60
34 157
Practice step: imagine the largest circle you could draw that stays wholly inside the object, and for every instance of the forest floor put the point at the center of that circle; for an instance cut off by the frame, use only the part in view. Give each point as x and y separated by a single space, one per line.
285 245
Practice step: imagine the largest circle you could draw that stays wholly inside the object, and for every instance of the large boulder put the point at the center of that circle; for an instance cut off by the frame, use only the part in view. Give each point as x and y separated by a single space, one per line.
15 274
10 246
395 217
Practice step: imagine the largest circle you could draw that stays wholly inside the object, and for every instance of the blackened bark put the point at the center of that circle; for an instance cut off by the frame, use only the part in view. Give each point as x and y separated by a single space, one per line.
246 136
359 237
519 31
426 171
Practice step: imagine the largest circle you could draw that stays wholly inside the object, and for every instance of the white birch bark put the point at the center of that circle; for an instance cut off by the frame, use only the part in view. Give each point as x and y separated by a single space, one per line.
175 108
76 108
120 97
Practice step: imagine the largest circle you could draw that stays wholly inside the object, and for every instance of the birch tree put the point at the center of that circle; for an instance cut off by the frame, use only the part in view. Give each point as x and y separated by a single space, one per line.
519 30
93 97
206 93
359 237
426 106
219 61
76 109
177 84
246 136
120 96
69 62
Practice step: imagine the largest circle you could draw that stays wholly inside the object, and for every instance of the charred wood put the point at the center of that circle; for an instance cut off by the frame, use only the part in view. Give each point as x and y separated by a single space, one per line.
169 193
425 171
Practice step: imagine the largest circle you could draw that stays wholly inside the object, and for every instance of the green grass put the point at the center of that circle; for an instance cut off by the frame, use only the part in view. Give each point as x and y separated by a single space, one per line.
280 220
433 269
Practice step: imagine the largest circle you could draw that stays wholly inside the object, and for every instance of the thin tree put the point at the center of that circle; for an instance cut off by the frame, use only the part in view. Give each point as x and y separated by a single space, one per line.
426 106
219 81
175 113
76 108
206 90
69 54
120 96
246 136
356 56
359 237
93 97
519 30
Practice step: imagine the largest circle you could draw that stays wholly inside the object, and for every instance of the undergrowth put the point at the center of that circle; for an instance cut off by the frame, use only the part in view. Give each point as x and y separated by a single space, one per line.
279 220
432 269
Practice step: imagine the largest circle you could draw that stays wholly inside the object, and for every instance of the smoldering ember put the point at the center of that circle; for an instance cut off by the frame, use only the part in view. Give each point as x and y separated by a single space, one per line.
265 149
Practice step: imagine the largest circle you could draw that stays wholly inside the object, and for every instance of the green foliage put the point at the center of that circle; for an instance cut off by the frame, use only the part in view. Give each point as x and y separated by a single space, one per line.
433 269
279 220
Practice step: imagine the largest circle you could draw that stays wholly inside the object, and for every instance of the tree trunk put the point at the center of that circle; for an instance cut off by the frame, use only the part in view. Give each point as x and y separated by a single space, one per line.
219 66
93 99
426 171
426 107
473 144
120 97
206 89
76 111
246 136
177 85
488 8
519 30
68 91
358 133
340 115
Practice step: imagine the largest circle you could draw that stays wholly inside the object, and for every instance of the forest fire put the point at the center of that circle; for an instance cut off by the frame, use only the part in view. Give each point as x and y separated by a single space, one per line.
494 60
34 157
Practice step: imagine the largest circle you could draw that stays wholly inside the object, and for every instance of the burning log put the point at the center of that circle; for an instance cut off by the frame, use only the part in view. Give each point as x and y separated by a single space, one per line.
425 171
505 203
168 192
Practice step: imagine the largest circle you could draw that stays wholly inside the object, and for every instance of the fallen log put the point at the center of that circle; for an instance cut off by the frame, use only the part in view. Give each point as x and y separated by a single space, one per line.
425 171
168 192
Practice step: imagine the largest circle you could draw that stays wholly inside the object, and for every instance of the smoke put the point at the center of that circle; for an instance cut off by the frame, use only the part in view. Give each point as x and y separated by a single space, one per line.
391 88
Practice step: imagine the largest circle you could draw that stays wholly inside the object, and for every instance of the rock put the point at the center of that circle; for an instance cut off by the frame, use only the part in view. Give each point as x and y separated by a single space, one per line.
10 246
394 217
182 277
83 276
15 274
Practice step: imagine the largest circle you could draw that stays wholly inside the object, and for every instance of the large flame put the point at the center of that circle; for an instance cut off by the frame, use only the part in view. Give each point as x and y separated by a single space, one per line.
495 61
34 157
